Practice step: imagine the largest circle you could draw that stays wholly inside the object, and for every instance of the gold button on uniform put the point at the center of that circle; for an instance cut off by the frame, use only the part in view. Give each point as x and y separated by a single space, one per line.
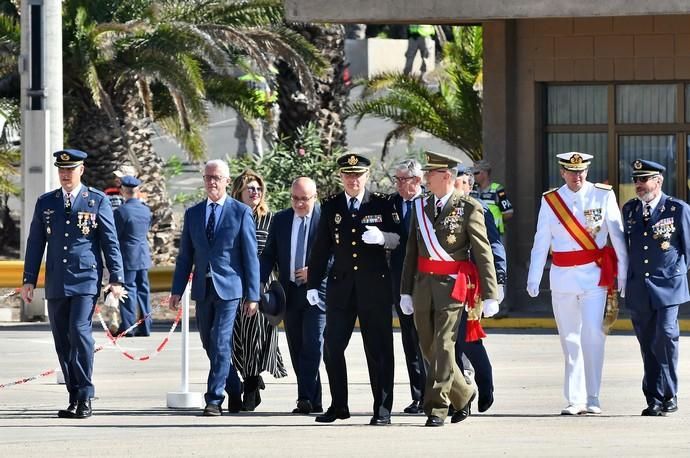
354 230
67 222
354 255
355 267
646 261
64 261
644 233
646 274
354 243
644 247
66 234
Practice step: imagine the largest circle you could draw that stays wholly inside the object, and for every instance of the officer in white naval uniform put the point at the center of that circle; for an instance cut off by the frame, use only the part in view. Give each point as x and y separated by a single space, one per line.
579 210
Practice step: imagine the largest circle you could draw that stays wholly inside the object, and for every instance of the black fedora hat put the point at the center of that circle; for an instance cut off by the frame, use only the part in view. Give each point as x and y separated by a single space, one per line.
272 303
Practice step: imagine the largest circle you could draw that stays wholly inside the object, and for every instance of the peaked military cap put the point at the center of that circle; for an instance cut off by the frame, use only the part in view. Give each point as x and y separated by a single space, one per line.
69 158
130 181
353 163
644 168
574 161
438 161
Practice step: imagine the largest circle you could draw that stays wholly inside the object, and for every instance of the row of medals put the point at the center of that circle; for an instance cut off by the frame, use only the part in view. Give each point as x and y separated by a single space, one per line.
85 222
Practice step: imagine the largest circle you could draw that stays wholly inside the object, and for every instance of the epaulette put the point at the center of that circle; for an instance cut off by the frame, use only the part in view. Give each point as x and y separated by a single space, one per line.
549 191
328 198
606 187
380 195
96 191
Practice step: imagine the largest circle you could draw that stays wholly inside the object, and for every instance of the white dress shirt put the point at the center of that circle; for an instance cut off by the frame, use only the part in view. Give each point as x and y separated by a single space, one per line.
296 221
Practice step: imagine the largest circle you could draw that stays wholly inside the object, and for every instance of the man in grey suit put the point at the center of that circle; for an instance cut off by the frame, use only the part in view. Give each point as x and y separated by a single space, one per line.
304 323
219 241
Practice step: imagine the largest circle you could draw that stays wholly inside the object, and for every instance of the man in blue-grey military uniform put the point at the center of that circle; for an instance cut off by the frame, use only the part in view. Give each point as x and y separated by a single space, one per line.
76 223
133 220
356 228
657 231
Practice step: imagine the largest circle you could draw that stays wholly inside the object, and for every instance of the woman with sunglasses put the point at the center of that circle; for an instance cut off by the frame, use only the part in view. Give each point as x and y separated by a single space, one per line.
255 340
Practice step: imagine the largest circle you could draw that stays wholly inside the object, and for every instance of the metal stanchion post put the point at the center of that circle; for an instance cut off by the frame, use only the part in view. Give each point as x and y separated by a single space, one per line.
184 399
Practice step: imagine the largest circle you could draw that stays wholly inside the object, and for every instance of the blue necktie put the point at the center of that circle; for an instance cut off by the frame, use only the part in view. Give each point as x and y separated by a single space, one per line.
353 203
299 250
406 217
211 223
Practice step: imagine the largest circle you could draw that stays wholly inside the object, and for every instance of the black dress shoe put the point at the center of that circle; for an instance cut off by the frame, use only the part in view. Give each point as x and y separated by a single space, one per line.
414 407
463 413
317 409
69 412
433 420
670 405
213 410
653 410
379 421
83 409
333 414
485 404
303 407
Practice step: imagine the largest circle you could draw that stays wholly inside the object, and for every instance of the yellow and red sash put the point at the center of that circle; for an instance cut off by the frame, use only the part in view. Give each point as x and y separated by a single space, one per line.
605 258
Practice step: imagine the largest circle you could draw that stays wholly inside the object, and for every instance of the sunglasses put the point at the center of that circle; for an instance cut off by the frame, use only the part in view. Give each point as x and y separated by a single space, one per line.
253 190
642 179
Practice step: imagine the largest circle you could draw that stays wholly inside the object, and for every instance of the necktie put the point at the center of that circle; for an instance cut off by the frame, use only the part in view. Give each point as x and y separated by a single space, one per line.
299 250
211 223
407 215
353 205
439 207
68 203
646 213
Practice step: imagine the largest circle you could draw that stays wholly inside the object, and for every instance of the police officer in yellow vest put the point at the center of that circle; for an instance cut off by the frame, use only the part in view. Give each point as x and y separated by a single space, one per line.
492 194
419 38
439 281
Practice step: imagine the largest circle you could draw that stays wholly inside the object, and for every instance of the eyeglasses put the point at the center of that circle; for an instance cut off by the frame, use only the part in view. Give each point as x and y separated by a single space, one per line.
402 179
215 178
254 190
302 200
642 179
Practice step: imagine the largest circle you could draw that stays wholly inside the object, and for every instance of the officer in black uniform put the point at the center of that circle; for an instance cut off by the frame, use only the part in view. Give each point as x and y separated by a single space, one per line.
356 229
657 231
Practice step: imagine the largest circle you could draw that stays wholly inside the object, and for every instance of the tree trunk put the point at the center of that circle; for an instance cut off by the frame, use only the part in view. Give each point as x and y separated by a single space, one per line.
129 142
332 89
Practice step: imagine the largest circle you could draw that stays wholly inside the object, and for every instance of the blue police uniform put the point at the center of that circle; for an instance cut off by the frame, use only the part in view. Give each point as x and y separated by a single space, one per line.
75 235
133 220
658 241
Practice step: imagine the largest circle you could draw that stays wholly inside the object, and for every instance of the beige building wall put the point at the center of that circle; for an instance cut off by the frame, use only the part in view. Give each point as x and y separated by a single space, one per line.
522 53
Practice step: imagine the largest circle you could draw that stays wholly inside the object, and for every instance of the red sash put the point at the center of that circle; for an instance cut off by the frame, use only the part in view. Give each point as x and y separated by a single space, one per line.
605 258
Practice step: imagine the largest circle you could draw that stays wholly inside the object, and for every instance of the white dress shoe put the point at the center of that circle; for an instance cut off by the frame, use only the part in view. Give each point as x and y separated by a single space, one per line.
594 409
573 410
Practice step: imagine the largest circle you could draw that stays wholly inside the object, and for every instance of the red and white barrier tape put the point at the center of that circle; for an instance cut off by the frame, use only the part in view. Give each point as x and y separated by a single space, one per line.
112 339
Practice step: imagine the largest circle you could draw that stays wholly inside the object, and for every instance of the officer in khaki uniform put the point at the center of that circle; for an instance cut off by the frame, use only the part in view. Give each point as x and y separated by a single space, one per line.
439 280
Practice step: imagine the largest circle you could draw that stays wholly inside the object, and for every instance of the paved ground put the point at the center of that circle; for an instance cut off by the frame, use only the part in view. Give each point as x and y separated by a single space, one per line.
132 419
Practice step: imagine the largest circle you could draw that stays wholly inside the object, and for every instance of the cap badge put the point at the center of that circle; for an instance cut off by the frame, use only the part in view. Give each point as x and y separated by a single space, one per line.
637 165
64 157
352 160
576 159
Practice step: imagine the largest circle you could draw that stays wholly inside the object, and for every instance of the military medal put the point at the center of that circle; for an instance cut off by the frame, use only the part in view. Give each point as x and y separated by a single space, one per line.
665 245
338 218
396 218
92 203
451 238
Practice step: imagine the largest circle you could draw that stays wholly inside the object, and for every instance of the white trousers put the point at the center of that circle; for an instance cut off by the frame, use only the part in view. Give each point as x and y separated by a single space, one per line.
579 319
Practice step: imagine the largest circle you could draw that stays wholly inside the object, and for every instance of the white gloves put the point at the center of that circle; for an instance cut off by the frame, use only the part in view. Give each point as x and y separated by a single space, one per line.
533 289
373 236
501 293
621 287
406 304
313 296
490 307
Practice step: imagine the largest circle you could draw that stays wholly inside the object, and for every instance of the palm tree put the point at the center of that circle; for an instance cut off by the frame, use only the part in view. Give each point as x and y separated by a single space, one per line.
128 63
452 112
332 89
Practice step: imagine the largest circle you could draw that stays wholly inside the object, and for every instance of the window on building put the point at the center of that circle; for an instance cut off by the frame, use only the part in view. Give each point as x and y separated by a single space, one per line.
618 123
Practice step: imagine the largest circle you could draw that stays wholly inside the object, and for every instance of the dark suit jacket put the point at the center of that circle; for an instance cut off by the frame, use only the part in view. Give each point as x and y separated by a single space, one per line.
74 265
232 255
657 271
133 220
277 250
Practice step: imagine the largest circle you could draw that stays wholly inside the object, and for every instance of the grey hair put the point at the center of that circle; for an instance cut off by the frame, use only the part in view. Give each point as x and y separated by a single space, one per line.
411 166
220 164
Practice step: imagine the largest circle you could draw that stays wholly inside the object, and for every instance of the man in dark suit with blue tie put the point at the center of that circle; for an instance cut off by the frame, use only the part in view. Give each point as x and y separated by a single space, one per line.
219 242
408 182
76 223
133 220
304 323
657 232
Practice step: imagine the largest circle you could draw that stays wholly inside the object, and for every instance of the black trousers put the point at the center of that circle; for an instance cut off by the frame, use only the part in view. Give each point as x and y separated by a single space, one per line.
377 334
416 367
